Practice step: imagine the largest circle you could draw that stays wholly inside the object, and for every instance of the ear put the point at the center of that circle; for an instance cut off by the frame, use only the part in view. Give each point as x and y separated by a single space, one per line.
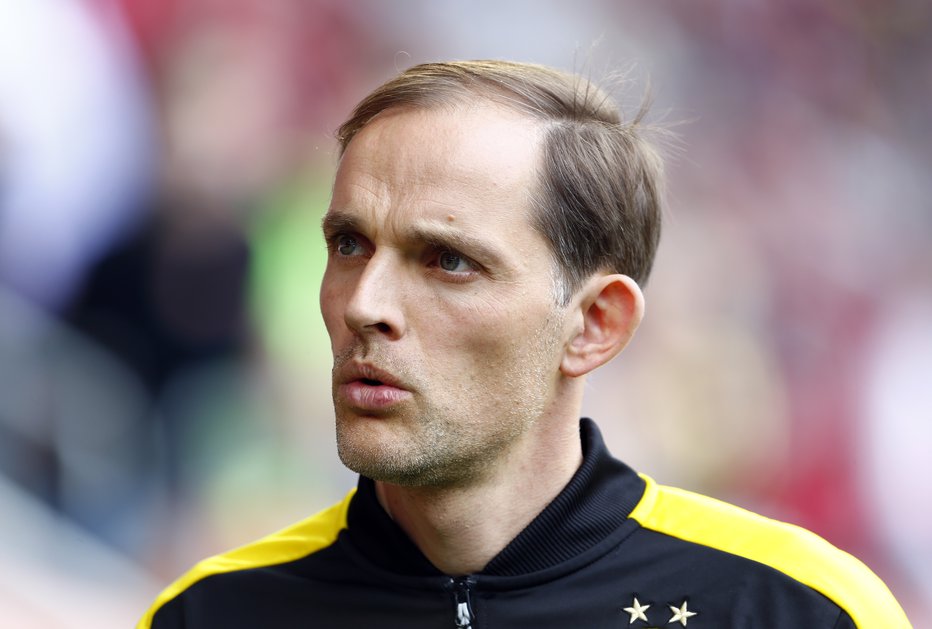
612 307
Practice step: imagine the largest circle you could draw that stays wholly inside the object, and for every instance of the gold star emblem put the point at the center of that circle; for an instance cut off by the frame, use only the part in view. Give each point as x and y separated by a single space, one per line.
637 611
680 614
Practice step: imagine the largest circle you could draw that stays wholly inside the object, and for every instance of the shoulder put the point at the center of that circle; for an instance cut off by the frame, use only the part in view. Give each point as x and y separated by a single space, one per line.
796 552
294 542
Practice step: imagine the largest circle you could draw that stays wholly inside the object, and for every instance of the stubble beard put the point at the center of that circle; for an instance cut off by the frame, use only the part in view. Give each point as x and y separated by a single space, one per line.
403 446
430 446
427 444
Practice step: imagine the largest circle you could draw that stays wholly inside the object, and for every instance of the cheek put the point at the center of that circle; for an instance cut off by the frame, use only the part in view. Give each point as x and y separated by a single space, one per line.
485 342
523 341
332 303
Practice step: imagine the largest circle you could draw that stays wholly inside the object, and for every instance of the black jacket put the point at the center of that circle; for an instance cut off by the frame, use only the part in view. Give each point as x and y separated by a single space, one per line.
613 549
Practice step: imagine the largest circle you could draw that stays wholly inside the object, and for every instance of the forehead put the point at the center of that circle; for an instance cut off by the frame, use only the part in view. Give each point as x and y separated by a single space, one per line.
477 163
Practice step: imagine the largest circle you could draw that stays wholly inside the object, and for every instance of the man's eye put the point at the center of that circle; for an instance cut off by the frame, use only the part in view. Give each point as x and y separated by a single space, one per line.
346 245
449 261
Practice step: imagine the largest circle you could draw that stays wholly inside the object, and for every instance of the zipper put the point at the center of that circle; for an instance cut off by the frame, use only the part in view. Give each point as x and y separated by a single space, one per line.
465 616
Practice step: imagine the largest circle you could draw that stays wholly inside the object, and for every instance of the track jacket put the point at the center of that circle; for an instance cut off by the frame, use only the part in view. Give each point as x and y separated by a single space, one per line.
613 549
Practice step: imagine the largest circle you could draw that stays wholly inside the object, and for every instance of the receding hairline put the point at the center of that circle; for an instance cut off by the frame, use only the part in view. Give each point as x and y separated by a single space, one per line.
599 193
536 91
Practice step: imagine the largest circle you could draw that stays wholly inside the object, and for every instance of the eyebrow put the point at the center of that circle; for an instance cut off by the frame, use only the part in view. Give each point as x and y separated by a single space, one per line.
433 234
442 237
335 222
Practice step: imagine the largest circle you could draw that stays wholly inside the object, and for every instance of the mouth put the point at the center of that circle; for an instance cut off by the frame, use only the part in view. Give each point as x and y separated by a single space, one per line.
367 374
364 387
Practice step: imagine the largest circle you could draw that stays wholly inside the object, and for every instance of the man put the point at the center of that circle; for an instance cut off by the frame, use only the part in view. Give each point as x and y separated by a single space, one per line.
489 228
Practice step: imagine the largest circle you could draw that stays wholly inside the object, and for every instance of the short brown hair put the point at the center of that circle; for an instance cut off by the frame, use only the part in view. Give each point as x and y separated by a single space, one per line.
599 197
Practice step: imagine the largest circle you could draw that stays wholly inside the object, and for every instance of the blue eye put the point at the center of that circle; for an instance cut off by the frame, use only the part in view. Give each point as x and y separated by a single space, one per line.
346 245
449 261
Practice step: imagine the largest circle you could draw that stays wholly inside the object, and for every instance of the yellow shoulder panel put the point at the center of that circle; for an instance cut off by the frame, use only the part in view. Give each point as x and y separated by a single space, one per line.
289 544
794 551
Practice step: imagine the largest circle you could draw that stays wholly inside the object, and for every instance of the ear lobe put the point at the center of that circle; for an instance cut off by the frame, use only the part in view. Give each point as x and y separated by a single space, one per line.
612 308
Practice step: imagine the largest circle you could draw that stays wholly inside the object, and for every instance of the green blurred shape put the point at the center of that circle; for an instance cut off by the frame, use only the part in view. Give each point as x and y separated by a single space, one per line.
289 257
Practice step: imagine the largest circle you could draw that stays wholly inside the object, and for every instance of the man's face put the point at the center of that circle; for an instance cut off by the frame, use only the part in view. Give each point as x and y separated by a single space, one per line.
438 295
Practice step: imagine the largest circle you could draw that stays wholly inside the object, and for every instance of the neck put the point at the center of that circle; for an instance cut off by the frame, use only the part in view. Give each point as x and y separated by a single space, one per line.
460 529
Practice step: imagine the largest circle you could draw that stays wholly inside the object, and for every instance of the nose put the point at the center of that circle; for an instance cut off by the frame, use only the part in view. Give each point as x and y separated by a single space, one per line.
375 304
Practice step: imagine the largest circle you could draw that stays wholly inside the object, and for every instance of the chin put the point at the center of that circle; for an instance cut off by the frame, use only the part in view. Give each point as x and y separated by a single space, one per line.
366 446
382 468
388 458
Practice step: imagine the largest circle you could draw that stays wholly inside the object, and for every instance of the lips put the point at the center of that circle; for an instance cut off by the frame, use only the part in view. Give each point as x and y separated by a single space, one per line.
367 388
364 372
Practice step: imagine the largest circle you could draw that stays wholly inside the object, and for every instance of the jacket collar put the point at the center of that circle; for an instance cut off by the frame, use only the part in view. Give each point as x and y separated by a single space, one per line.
594 504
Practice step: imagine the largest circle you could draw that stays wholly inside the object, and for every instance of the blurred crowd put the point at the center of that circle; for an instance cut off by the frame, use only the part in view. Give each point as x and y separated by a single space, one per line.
164 373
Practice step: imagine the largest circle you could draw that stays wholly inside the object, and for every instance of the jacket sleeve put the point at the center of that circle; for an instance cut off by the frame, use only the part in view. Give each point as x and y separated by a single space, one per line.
168 616
303 538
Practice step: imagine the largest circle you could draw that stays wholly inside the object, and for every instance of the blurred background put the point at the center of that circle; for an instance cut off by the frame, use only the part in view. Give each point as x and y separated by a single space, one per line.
164 373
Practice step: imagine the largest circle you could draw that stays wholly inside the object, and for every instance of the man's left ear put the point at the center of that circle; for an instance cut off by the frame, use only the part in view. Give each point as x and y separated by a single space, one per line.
612 307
